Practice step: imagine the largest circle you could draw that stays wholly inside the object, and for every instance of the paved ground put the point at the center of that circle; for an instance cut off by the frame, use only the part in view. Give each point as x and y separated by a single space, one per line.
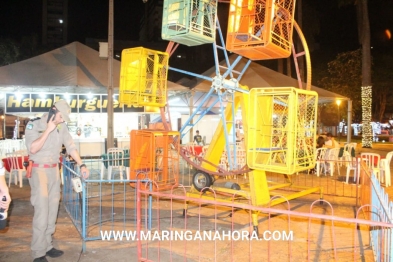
15 239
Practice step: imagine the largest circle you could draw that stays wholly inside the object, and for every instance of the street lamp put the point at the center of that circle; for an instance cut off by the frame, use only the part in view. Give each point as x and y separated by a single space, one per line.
338 102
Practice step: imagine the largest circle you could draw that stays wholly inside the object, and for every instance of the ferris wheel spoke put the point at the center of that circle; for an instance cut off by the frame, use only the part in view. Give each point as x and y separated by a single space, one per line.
171 48
228 125
189 123
191 74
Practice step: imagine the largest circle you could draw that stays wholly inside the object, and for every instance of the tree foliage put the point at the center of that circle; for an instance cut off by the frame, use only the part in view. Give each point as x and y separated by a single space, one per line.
12 51
344 77
382 81
9 52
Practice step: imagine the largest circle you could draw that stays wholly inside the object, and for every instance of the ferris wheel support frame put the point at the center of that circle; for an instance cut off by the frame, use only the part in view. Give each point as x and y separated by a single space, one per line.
224 88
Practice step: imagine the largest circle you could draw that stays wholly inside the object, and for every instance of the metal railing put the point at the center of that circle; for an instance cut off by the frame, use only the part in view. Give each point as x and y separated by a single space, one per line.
318 232
102 205
200 229
382 210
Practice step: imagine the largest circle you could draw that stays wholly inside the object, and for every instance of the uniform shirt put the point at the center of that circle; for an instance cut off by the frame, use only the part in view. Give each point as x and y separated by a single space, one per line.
50 151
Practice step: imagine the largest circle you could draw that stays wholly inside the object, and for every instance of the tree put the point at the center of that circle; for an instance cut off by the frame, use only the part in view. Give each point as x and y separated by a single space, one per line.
366 86
382 80
9 52
344 77
364 40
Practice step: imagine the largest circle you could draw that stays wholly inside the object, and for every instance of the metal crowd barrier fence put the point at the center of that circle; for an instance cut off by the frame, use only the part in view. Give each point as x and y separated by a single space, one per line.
377 207
197 229
382 210
110 205
101 206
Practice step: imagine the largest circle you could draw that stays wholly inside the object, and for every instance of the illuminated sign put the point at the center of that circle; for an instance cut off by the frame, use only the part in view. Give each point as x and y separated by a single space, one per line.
38 103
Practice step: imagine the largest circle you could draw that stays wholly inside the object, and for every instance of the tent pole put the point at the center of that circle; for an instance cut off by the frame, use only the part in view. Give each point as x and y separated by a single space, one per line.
349 129
110 139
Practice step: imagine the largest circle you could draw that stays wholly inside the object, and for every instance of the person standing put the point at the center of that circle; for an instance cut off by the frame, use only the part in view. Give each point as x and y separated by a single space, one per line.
198 138
44 139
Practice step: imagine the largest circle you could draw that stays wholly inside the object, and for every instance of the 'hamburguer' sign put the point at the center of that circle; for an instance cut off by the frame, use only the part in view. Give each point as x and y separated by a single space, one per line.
37 103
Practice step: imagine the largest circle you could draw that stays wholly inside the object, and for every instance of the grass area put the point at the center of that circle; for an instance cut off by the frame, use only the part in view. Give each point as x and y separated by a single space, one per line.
358 139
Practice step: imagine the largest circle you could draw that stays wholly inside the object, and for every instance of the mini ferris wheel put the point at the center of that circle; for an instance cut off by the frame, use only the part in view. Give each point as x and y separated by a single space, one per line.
279 122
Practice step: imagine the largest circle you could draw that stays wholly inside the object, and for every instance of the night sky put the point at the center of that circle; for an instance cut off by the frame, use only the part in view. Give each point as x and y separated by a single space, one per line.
89 19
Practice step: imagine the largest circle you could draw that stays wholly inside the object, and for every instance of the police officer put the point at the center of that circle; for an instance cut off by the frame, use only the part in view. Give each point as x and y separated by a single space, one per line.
44 139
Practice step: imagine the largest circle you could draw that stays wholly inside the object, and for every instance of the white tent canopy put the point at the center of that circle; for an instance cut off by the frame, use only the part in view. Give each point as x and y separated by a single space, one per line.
259 76
255 76
74 68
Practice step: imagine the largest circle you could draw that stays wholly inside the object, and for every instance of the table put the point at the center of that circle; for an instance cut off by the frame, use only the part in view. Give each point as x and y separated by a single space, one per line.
7 162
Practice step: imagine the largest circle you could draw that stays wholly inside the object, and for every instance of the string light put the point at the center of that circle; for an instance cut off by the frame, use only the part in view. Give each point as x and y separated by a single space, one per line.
366 116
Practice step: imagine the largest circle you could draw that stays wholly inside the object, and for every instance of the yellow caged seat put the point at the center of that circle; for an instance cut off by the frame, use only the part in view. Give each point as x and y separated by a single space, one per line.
281 129
143 77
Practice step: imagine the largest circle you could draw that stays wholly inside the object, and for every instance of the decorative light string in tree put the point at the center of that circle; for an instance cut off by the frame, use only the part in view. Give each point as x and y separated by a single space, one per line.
366 116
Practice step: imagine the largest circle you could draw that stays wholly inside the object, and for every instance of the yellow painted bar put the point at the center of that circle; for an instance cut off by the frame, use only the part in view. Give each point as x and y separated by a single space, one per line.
217 145
258 188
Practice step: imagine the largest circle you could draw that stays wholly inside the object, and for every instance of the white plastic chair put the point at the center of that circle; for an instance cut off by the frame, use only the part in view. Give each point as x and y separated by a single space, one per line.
7 147
115 160
372 161
354 145
16 168
346 152
331 159
320 154
352 164
385 168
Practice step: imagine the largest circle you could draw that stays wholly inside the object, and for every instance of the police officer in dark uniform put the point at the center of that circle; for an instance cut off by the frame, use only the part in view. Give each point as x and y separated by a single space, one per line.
44 140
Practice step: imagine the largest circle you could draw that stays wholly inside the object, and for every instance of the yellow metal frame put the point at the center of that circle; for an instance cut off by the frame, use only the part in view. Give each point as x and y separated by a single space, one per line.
282 129
143 77
258 109
217 145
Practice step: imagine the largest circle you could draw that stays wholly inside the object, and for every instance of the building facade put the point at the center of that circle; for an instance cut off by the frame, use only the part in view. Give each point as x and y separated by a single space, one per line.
54 22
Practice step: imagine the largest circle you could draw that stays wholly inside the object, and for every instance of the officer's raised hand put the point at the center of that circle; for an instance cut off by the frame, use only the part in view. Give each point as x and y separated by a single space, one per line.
53 123
55 119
